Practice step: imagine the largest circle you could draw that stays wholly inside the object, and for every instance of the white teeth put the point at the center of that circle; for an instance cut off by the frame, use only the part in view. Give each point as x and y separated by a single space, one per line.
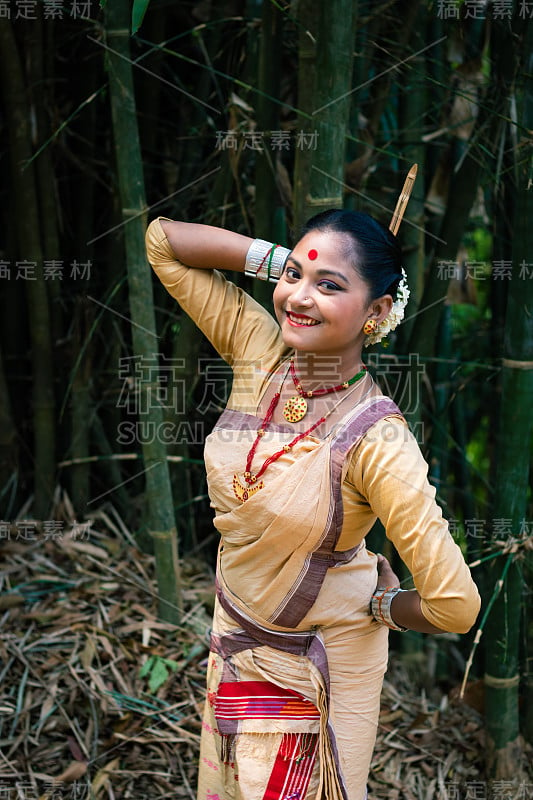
301 321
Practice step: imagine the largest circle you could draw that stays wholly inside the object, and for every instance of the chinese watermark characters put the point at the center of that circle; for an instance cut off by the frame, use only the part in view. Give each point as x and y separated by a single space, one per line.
52 270
277 141
28 530
481 9
498 270
48 9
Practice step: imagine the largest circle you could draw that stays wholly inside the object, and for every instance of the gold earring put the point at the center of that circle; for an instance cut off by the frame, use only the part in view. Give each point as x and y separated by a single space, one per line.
370 327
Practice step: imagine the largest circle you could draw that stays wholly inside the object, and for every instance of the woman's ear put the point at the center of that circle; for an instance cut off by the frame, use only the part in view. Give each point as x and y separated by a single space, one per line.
381 307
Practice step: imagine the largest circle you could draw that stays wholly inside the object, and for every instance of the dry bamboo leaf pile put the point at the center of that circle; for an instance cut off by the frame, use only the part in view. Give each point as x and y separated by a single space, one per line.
77 715
99 699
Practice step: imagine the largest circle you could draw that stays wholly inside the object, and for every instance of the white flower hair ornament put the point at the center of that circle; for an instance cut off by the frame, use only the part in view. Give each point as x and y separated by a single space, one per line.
395 315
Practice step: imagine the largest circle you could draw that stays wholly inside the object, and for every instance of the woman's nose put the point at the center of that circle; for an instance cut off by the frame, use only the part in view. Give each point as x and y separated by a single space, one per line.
301 295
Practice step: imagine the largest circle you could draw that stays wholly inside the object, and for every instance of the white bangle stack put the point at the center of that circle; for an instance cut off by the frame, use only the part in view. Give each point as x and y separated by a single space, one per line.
380 606
265 260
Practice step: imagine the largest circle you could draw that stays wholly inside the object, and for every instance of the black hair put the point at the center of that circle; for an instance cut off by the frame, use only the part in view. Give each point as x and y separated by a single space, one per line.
374 251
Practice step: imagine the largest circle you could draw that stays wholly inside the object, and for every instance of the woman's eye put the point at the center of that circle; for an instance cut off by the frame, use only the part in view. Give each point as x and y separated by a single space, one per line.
291 272
329 286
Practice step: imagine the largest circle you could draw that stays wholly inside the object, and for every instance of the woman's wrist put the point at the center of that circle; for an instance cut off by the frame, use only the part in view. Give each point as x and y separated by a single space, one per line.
405 611
380 606
398 609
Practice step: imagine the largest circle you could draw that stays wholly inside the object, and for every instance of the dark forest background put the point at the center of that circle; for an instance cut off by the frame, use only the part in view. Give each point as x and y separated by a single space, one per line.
252 115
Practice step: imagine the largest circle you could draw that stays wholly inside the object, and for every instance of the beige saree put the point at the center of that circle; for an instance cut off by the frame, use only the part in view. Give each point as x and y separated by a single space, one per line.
283 719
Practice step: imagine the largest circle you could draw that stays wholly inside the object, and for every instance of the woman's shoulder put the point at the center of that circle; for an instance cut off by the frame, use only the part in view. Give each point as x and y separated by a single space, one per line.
386 439
375 413
388 451
387 414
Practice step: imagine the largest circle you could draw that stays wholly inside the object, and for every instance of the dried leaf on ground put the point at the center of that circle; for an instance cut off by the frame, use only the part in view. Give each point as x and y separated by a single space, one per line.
77 712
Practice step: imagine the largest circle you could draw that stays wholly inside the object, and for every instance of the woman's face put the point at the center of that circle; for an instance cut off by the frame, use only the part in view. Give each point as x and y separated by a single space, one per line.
321 302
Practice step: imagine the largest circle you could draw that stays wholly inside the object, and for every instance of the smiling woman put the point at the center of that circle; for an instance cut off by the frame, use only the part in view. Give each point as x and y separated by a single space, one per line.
317 453
328 298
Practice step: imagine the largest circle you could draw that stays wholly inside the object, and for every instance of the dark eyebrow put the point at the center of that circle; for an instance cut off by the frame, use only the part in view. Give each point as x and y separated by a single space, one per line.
322 272
332 272
291 257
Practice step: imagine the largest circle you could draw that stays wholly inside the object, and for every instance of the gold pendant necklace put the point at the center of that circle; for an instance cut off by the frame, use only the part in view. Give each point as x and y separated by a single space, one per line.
295 408
241 492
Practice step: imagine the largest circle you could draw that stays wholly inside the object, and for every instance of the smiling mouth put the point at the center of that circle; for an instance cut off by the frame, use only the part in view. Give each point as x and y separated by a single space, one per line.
301 320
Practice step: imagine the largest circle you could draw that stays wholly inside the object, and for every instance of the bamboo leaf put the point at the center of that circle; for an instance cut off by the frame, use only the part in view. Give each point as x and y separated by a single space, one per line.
146 668
102 777
173 665
157 670
137 14
158 675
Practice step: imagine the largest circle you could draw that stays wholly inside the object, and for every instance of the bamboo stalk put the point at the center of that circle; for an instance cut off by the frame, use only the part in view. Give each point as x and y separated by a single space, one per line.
308 26
512 454
160 513
267 196
330 104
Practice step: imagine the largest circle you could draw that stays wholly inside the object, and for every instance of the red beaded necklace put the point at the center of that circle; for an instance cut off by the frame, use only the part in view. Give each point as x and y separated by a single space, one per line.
295 408
241 492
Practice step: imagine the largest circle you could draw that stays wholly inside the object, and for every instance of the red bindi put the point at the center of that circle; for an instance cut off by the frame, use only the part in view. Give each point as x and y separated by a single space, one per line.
312 255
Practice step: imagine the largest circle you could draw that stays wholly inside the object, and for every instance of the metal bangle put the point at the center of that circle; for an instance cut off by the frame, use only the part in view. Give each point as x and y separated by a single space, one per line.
380 607
265 260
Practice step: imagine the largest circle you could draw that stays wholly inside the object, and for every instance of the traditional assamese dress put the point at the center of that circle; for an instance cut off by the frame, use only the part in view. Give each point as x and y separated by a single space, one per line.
296 659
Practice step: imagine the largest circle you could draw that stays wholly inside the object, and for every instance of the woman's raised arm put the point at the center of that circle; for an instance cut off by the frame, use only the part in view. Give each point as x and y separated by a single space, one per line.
205 247
229 317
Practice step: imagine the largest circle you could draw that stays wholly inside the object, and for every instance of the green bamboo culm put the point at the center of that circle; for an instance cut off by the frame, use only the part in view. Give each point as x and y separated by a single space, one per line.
267 199
438 459
330 106
464 181
160 513
502 666
308 26
413 101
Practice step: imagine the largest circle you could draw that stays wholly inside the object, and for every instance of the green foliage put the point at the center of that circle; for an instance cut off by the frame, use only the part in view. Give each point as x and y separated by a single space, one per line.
137 14
157 669
479 244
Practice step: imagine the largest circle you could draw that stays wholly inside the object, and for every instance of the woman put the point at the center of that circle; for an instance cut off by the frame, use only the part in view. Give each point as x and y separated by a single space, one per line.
306 456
